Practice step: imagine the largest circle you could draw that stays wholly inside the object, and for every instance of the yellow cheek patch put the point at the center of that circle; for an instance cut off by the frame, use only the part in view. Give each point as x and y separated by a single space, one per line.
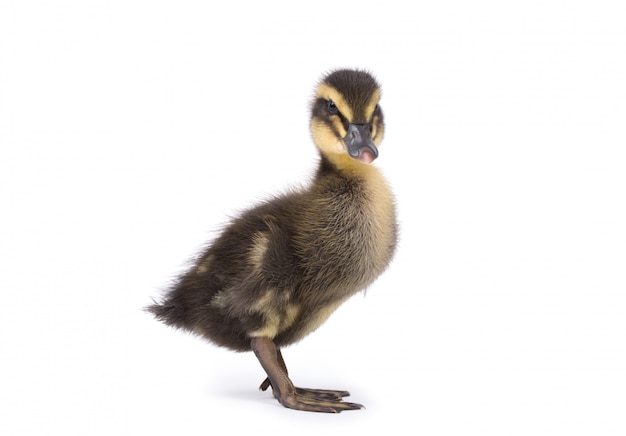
326 139
338 125
328 93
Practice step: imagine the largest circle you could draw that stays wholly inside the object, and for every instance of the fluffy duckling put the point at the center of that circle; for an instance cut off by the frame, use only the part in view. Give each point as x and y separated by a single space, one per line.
279 270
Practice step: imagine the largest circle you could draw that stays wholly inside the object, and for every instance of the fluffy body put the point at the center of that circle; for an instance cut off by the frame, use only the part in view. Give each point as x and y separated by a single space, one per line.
281 268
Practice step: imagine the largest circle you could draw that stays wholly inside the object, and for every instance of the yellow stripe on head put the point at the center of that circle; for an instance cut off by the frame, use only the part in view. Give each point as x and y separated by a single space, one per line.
371 105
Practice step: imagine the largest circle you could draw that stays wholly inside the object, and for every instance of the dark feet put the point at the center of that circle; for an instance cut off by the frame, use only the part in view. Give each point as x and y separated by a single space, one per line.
315 400
312 400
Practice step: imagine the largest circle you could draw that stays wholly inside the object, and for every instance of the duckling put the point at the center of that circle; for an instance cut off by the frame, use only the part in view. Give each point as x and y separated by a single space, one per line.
279 270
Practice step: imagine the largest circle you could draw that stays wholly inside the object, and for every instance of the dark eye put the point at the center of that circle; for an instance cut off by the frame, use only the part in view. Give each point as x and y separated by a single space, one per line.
332 108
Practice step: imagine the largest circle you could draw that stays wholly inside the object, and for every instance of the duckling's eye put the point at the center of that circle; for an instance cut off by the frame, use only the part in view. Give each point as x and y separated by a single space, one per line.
332 108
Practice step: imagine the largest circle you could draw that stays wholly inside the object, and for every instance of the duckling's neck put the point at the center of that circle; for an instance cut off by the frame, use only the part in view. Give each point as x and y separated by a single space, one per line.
346 166
361 209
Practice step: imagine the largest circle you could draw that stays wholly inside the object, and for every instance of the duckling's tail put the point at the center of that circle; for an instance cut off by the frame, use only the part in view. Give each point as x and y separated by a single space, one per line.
167 312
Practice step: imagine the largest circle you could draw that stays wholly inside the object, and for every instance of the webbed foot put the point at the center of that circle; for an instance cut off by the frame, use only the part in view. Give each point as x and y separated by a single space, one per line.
312 400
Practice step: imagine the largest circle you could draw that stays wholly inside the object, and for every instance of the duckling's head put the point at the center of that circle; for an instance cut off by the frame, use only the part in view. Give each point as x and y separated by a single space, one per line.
346 120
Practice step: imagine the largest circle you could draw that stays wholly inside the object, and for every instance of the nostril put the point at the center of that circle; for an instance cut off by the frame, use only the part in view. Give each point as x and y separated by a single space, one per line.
354 134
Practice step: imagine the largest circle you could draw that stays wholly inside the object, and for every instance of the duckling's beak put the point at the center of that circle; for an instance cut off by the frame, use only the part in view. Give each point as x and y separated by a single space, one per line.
359 143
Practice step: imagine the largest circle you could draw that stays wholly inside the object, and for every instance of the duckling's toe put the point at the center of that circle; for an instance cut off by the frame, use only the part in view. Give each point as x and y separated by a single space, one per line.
322 394
314 400
309 404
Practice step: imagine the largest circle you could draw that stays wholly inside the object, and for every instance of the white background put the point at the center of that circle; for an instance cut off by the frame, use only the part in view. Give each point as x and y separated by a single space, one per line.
130 130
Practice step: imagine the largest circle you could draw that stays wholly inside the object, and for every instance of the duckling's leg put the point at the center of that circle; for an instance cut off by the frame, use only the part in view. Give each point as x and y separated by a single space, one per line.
286 393
312 393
